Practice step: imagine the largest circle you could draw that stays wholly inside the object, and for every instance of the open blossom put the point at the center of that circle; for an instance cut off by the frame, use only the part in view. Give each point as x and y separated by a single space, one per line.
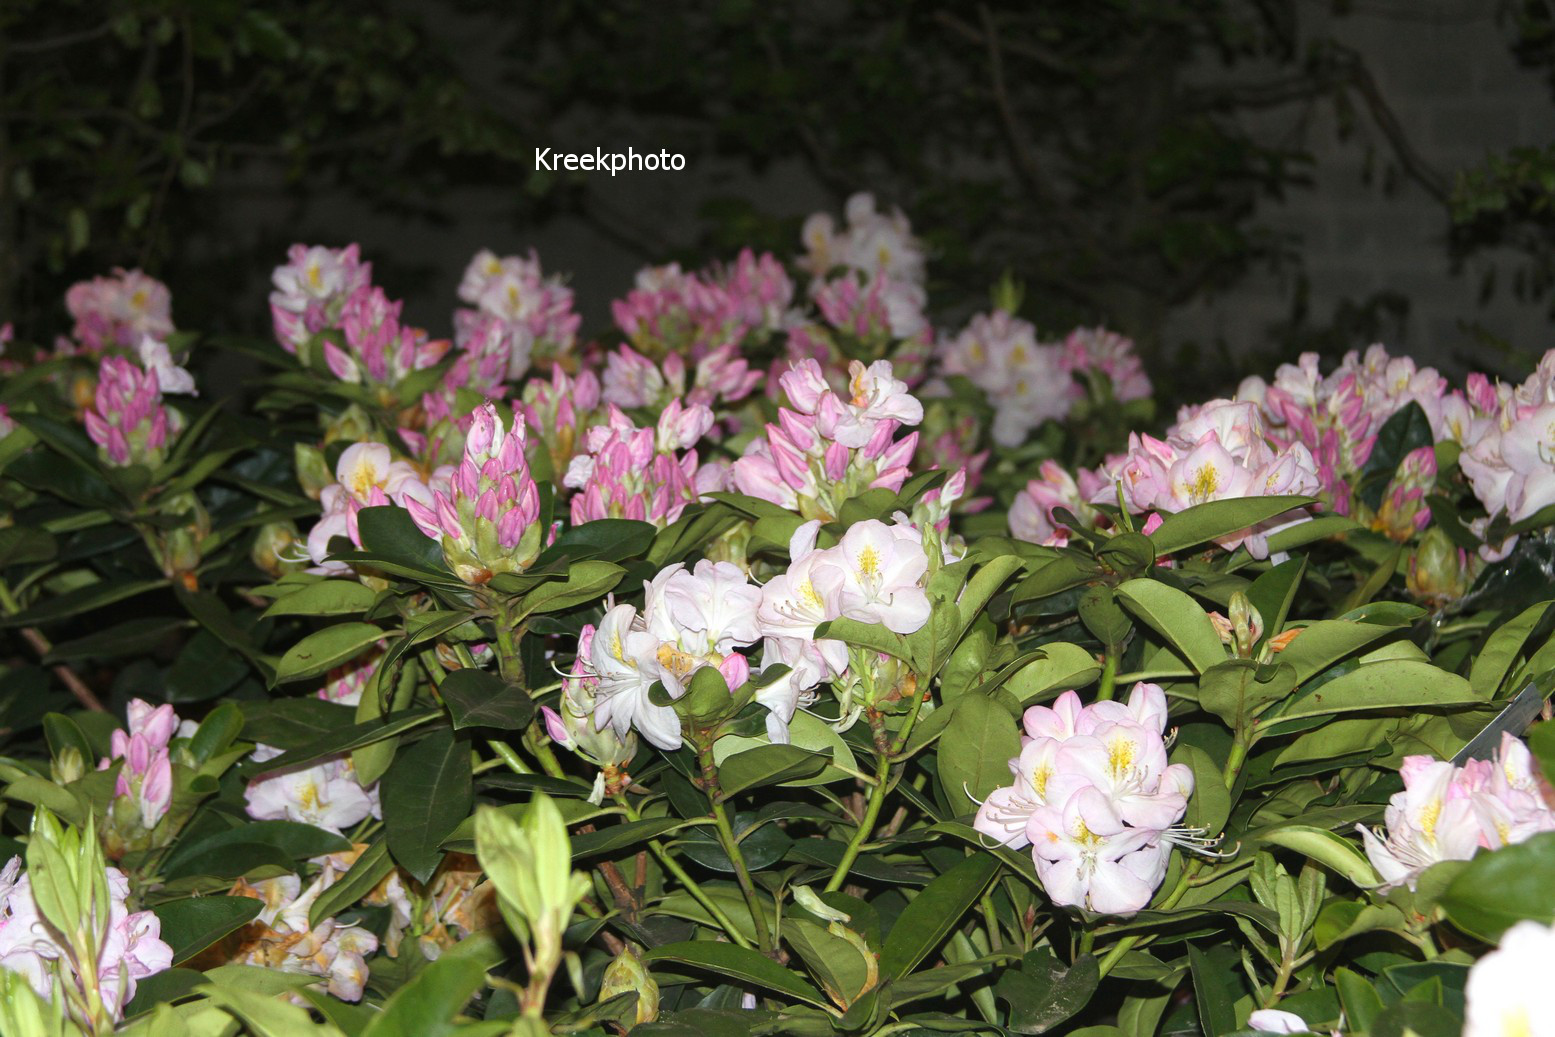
367 476
1451 813
311 290
127 419
1216 451
132 951
575 726
1506 992
282 938
872 242
689 620
873 396
488 520
1096 799
326 793
119 310
171 378
1026 382
649 474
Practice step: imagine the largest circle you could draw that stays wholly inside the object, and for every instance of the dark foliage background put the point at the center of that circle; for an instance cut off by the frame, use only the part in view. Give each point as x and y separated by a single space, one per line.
1112 156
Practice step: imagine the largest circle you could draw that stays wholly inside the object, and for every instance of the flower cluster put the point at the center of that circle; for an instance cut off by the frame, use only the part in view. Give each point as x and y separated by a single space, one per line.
1216 451
119 310
1024 381
532 313
1100 351
1031 513
649 474
1448 813
573 725
133 948
312 289
720 376
127 419
488 520
1095 799
872 242
826 446
378 348
281 937
671 311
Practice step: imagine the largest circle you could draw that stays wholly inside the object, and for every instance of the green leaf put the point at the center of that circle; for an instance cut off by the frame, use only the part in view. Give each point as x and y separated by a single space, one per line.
358 881
975 750
1406 430
344 740
747 966
1062 573
325 649
1211 802
389 534
477 698
1500 888
1042 993
1326 848
1505 644
767 765
1178 618
325 598
430 1003
606 540
20 545
426 793
294 841
584 582
838 964
266 1015
872 636
189 926
1205 522
1391 684
1215 997
82 599
132 637
1059 665
929 916
619 837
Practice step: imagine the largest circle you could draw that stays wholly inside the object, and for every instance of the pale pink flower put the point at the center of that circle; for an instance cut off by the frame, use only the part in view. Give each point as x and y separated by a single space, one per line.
311 290
326 794
119 310
1505 992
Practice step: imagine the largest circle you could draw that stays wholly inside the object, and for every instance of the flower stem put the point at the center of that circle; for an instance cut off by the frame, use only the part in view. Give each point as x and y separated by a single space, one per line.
731 848
671 865
1109 676
866 825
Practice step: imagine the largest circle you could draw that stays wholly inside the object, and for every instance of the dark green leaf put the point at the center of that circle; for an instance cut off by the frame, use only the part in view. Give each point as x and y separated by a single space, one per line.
1502 887
1042 993
189 926
737 963
931 914
477 698
426 793
767 765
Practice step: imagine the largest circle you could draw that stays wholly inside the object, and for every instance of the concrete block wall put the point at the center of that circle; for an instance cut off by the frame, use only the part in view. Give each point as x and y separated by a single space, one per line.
1447 72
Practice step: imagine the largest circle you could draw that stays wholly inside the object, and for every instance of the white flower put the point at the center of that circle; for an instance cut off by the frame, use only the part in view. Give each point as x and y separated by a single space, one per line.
171 379
1506 993
326 794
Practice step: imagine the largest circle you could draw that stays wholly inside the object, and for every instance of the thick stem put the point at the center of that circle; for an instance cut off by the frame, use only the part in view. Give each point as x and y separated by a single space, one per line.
1109 676
731 848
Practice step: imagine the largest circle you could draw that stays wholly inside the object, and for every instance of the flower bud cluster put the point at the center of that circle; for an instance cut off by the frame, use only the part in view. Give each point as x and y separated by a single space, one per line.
648 474
29 946
670 311
378 348
1448 813
827 447
127 419
558 411
143 789
721 375
1095 799
489 518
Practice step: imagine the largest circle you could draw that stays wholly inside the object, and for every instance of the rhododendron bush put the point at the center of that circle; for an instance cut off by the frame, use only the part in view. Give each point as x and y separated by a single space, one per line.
771 657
